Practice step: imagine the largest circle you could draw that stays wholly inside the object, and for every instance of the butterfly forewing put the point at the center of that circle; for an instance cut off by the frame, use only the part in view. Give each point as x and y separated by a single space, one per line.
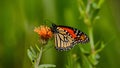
63 41
80 37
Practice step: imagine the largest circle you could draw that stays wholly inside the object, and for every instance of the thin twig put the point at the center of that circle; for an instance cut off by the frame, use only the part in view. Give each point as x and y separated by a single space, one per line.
39 58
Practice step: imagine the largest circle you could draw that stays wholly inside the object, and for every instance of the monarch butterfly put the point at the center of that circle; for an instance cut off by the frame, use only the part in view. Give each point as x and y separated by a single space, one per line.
66 37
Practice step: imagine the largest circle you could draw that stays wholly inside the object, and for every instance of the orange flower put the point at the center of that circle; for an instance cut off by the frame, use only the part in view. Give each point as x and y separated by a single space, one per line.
44 32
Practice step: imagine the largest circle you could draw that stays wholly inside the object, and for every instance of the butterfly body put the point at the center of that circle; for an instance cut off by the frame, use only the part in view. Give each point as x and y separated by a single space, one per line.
66 37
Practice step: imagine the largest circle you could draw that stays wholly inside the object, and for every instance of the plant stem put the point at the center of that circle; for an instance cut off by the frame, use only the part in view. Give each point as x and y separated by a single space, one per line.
91 39
90 27
88 6
39 58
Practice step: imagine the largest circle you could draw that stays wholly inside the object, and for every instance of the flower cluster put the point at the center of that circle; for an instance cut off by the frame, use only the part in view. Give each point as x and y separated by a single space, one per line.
44 32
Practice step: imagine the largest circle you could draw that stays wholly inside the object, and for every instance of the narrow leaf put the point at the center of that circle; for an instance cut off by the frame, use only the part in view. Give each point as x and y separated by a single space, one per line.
37 47
46 65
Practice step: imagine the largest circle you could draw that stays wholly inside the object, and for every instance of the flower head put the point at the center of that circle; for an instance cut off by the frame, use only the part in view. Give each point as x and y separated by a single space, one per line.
44 32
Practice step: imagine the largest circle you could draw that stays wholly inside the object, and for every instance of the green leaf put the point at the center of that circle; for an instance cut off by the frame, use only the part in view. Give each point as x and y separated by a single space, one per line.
78 65
82 12
81 3
100 3
32 50
101 47
86 63
31 56
46 65
93 59
83 50
95 14
94 5
96 44
37 47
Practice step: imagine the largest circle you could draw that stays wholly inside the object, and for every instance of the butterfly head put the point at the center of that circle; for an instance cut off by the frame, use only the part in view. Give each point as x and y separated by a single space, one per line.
53 28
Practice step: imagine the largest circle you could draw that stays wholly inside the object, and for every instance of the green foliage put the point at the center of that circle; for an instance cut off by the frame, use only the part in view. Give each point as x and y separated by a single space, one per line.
46 66
89 13
19 17
32 54
89 58
35 58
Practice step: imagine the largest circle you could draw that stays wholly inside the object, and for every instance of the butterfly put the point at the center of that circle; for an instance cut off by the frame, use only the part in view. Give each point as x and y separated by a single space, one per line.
67 37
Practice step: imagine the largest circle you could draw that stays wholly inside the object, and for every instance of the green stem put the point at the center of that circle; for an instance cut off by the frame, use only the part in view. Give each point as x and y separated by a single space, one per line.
91 39
88 6
38 59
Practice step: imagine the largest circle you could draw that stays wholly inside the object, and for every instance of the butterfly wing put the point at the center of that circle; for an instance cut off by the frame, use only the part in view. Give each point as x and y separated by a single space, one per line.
66 37
80 37
63 40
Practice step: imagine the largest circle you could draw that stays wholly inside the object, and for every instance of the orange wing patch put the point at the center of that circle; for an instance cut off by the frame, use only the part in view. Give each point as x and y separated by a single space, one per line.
83 37
70 31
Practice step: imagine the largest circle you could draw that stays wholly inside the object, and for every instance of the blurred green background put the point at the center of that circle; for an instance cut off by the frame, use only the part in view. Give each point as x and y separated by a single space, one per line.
19 17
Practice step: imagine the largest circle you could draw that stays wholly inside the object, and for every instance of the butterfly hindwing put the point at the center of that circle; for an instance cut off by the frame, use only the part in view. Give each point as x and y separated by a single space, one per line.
63 41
